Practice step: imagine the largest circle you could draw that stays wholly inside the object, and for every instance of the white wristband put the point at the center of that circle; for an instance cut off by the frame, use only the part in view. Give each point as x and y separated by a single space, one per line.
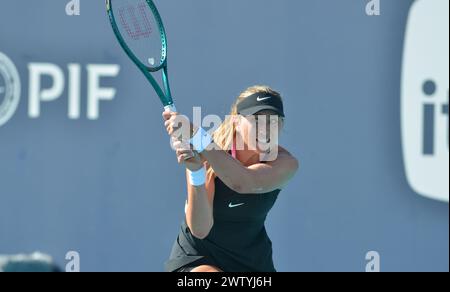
197 178
201 140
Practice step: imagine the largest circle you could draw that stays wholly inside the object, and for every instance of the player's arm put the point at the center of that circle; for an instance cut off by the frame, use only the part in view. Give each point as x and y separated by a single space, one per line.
255 179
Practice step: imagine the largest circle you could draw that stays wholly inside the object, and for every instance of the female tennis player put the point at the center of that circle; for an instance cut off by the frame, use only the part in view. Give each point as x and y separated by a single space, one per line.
230 189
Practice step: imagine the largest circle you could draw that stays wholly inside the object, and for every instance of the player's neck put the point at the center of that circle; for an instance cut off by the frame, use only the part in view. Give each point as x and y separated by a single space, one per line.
247 157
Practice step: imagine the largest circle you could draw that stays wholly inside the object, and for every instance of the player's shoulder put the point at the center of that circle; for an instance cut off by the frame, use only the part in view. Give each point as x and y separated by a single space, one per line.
287 158
284 153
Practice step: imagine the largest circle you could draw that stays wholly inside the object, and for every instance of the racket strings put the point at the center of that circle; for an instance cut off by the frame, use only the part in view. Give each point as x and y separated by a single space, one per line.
140 30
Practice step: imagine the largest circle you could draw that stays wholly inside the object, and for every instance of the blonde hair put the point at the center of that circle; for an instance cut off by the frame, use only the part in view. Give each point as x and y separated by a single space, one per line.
224 135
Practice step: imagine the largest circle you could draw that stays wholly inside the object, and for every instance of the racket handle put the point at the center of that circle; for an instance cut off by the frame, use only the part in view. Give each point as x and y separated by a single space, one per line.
171 108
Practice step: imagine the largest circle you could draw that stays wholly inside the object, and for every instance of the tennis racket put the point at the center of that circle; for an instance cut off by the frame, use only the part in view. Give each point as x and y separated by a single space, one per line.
140 31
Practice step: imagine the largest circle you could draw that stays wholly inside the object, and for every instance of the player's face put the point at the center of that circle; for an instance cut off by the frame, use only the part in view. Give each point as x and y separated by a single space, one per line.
260 130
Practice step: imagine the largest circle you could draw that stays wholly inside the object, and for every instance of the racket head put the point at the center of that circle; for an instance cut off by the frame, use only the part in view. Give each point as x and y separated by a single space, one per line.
139 29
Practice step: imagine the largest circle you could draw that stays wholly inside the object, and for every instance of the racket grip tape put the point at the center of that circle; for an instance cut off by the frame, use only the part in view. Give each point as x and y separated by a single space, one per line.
170 108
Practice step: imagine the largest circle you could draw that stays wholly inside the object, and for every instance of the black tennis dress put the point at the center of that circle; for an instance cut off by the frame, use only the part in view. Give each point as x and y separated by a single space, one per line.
238 241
